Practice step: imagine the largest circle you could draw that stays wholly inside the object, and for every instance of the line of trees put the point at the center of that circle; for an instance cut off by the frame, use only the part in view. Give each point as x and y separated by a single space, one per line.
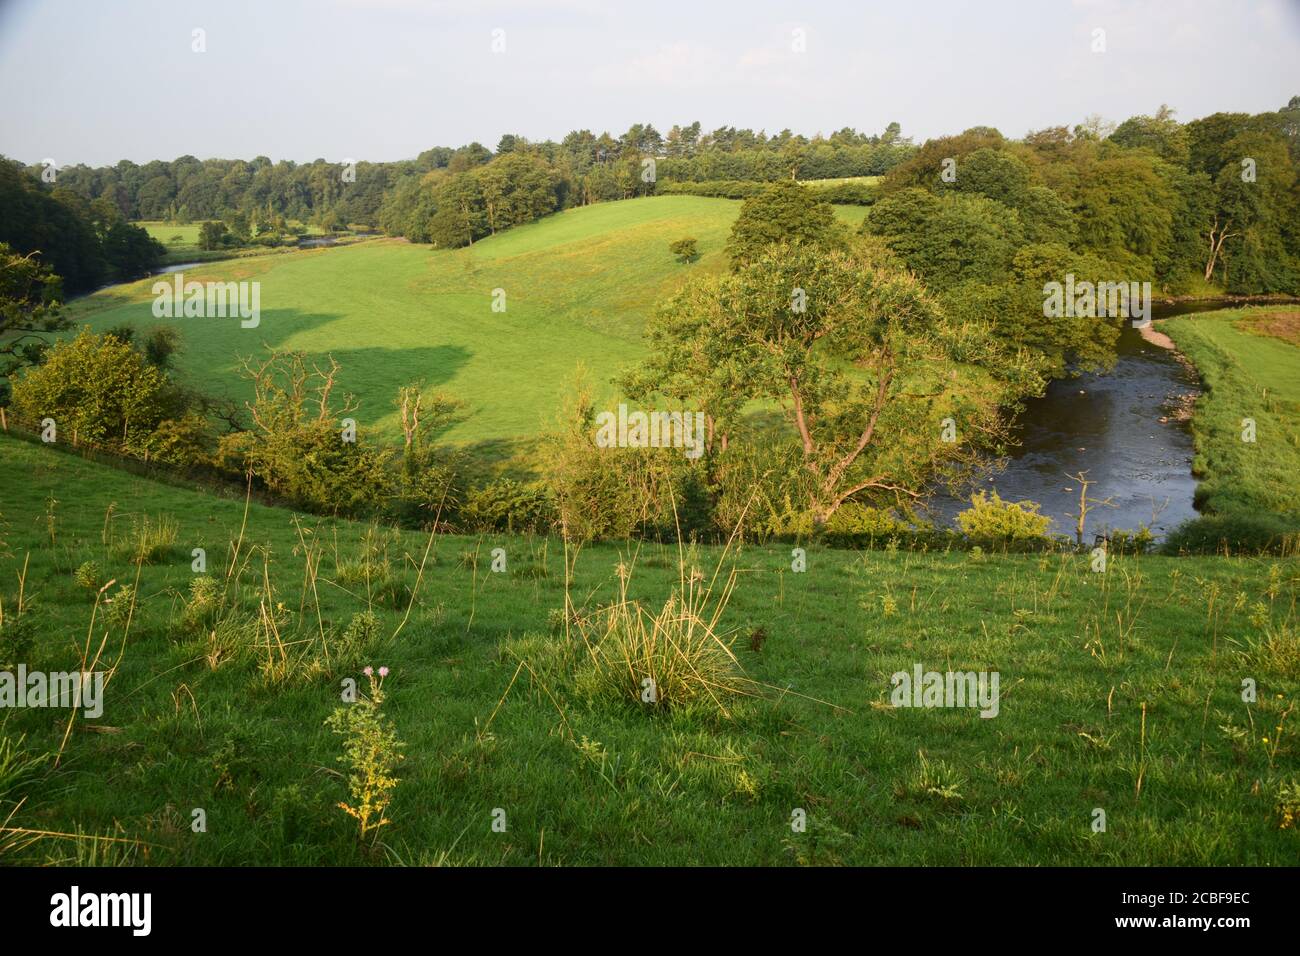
983 219
582 168
86 242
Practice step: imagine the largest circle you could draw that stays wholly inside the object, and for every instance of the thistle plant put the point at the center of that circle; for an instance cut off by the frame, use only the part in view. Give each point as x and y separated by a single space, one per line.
371 750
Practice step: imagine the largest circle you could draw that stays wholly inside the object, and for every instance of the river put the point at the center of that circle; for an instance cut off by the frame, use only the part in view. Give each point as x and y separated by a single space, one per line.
1122 427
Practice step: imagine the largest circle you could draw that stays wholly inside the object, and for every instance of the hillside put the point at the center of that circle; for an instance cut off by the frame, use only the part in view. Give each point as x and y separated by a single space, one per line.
1119 691
578 288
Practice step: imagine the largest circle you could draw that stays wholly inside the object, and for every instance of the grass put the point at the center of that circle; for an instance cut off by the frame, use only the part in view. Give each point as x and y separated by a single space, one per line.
181 239
182 242
1119 691
579 287
820 183
1249 362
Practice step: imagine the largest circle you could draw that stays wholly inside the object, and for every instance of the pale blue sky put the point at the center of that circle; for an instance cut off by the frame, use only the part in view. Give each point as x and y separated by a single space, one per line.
100 80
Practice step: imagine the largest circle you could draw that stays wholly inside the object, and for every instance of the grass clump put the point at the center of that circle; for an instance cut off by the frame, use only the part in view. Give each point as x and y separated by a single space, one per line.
672 657
149 541
933 781
18 766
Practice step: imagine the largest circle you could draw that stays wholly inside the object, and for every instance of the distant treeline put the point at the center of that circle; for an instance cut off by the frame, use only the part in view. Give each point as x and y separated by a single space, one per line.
483 191
1213 201
87 242
1215 197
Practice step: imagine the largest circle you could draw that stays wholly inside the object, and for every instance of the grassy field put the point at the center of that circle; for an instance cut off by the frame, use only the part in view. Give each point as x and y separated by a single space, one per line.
821 183
1120 691
1249 360
579 286
182 242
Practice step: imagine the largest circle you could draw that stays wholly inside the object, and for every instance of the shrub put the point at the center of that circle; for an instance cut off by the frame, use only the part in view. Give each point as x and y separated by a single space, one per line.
120 607
846 194
761 489
1234 533
203 604
181 441
614 492
17 638
359 638
296 446
1122 541
722 188
99 390
508 505
88 576
989 518
861 521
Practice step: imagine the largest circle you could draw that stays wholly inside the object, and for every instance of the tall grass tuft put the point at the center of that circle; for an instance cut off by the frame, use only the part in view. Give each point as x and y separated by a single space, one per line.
674 656
149 541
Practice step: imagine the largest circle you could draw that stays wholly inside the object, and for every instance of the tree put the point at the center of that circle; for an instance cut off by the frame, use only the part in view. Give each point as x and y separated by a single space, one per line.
53 224
947 239
296 445
516 188
1253 203
130 251
461 217
783 212
30 307
1010 307
686 250
996 174
863 362
1125 205
212 235
691 362
1161 134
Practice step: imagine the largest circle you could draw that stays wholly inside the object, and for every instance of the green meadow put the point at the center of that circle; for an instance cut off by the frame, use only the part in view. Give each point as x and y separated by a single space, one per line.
1123 734
1120 692
1248 360
180 239
578 288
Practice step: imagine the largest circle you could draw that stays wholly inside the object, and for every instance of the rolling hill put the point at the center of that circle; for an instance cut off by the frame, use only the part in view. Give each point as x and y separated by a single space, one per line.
578 286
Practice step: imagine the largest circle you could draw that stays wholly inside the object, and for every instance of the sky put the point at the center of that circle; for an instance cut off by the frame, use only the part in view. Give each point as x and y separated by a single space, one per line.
96 81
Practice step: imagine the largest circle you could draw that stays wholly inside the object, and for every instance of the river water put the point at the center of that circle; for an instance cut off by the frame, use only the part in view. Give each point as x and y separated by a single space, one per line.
1122 428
